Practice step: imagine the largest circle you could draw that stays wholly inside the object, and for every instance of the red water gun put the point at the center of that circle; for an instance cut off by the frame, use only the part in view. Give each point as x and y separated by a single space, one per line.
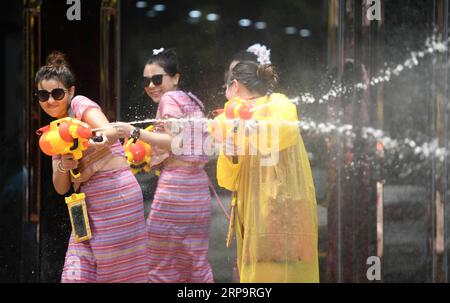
236 109
138 154
66 136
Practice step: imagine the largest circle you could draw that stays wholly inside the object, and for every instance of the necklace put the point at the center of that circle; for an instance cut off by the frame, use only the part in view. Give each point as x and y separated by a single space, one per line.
250 98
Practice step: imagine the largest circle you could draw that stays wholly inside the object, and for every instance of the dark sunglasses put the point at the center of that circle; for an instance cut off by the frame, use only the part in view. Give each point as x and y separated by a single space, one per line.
57 94
155 79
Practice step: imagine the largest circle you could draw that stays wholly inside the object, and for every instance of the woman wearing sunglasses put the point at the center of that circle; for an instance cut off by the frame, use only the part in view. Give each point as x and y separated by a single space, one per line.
274 203
117 251
179 221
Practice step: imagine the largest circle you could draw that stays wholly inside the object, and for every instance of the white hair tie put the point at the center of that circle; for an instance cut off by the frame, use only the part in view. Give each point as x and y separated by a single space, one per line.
157 51
262 53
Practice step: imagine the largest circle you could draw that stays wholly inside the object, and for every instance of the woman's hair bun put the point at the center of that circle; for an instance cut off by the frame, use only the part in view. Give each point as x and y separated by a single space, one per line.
268 74
57 59
57 68
171 52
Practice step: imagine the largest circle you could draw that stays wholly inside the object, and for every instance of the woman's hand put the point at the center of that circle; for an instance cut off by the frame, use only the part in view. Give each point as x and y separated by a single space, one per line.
67 163
100 141
97 121
123 129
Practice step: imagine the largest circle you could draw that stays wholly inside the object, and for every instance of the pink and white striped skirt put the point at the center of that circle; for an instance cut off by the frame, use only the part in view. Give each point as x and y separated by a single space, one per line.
178 227
117 251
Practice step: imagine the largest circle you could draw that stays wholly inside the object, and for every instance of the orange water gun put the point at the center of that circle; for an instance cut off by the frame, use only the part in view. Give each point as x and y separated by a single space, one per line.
66 136
235 110
138 154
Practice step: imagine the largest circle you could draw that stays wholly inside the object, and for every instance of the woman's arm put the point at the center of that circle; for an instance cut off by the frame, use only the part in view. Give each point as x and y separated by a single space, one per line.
61 173
162 140
96 119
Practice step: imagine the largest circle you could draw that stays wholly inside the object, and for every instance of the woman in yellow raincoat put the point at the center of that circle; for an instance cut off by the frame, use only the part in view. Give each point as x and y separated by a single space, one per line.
265 164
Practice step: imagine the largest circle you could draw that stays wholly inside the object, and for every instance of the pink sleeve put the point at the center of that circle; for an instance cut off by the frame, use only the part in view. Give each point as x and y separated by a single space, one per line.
80 104
169 108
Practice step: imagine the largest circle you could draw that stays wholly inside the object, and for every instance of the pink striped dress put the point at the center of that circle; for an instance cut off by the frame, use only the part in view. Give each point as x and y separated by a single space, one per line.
117 251
179 221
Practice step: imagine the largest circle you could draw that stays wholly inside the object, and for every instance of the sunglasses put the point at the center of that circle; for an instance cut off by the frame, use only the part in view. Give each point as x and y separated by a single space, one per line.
155 79
57 94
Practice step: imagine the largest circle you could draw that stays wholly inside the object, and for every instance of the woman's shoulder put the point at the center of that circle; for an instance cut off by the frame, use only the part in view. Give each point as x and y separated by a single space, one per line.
281 100
80 104
279 97
80 100
175 94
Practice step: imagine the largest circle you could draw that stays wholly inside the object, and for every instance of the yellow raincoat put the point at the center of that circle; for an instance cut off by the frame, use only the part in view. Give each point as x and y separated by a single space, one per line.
276 211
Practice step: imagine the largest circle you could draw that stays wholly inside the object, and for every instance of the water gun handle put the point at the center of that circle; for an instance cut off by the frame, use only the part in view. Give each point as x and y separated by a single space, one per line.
97 138
75 172
235 158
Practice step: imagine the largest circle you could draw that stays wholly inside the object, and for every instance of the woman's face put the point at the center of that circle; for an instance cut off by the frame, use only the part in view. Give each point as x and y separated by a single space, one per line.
231 89
155 91
55 108
231 86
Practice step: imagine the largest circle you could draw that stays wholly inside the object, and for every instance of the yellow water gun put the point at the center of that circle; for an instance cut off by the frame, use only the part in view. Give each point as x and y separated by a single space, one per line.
66 136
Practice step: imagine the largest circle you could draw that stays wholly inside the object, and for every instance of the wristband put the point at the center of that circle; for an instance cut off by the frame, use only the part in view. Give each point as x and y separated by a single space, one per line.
60 168
135 134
